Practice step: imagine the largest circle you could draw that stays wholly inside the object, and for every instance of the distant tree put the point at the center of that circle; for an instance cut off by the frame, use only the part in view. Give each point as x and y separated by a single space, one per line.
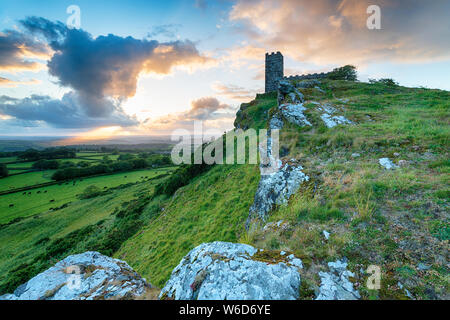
347 72
84 164
3 170
127 156
46 164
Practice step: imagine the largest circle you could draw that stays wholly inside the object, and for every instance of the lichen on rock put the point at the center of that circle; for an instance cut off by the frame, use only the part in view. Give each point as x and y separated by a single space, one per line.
335 284
86 276
233 271
276 189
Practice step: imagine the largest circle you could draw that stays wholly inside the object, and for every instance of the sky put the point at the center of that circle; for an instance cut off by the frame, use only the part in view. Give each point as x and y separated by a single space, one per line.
152 67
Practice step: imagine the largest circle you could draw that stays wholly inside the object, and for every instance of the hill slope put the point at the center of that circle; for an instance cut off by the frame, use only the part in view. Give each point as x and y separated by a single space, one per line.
395 219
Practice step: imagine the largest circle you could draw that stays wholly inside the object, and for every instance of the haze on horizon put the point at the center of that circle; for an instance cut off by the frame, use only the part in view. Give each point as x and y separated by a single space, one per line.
150 67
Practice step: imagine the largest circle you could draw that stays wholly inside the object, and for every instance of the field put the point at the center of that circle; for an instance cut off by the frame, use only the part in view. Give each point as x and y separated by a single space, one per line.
25 180
23 244
46 198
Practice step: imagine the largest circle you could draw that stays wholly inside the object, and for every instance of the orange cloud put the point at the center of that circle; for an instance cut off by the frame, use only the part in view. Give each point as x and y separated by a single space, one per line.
4 82
335 31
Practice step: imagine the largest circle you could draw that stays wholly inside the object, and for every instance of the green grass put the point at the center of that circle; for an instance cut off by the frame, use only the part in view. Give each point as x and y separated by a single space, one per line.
38 201
363 205
212 207
25 180
8 159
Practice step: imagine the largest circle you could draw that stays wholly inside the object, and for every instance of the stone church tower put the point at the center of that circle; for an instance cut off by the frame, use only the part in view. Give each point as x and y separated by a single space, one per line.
274 70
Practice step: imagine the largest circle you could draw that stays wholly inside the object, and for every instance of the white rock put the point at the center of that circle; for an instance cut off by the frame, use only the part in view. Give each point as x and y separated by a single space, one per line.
294 114
355 155
335 284
387 163
276 122
230 271
276 189
332 121
326 234
94 276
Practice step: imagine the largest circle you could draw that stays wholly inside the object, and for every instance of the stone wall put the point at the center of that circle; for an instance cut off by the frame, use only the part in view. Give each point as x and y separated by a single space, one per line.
308 76
274 71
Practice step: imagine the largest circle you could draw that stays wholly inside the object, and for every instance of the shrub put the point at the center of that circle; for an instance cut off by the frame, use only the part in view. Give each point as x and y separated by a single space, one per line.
347 72
90 192
386 81
3 170
46 164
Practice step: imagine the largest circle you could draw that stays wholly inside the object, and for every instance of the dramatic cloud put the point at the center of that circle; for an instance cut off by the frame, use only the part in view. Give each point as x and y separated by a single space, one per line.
102 72
335 31
16 50
108 65
65 113
234 92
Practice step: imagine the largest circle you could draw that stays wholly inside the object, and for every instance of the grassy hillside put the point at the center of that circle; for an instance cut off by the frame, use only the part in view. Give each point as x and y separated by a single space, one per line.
212 207
395 219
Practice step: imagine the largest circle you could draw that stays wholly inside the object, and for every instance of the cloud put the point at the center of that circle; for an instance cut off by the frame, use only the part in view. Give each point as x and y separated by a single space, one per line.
102 72
334 31
210 110
109 65
234 92
67 112
4 82
17 51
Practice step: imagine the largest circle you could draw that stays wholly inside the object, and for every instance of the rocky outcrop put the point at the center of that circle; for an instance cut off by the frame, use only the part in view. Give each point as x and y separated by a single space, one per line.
276 189
86 276
387 163
286 90
232 271
335 285
294 114
328 116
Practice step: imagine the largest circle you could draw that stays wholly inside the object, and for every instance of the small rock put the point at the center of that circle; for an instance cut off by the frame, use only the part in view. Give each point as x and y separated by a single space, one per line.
396 154
387 163
326 234
402 163
355 155
423 267
335 285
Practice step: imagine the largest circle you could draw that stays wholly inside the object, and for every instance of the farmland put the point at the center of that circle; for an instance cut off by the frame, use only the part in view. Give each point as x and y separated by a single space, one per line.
43 199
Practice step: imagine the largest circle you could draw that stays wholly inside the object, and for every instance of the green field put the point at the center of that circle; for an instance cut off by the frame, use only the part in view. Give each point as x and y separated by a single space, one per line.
25 180
29 204
23 241
8 159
